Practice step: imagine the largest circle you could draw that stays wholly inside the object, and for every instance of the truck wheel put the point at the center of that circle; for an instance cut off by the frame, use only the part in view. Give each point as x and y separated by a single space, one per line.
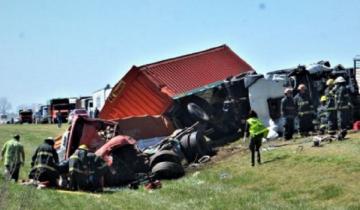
185 146
164 155
198 144
167 170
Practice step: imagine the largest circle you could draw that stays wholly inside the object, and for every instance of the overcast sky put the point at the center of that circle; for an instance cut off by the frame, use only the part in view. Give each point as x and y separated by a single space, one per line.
60 48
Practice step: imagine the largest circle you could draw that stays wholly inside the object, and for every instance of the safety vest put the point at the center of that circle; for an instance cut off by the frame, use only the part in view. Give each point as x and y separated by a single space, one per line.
13 153
256 127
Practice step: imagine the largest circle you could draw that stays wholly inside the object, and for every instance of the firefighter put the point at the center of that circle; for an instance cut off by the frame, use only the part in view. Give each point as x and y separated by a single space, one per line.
14 156
329 86
322 115
288 112
45 163
331 112
86 170
257 131
305 111
343 105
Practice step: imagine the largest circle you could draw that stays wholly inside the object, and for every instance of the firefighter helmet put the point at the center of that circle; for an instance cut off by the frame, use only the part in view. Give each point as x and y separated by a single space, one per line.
84 147
323 98
339 80
49 140
329 82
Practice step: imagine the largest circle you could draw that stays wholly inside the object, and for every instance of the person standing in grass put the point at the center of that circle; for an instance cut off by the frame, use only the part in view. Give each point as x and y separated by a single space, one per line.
343 106
257 131
58 118
305 111
288 112
14 156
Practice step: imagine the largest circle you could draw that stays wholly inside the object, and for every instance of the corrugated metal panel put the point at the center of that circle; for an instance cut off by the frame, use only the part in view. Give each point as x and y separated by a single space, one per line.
147 90
182 74
137 96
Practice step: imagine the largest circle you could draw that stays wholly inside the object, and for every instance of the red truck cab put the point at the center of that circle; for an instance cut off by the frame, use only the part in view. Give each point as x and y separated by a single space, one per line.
61 105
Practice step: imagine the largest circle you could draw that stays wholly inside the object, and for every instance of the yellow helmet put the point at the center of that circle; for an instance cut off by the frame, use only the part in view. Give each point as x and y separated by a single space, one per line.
329 82
323 98
84 147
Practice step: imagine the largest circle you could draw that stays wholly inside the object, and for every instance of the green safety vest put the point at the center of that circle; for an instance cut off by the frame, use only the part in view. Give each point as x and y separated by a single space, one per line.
256 127
13 153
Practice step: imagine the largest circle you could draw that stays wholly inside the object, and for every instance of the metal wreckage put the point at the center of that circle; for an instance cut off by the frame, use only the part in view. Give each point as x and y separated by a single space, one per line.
161 146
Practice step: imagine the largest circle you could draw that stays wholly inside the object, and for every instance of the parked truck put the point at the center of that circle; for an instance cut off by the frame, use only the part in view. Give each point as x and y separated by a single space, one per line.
61 105
25 116
41 115
3 119
85 102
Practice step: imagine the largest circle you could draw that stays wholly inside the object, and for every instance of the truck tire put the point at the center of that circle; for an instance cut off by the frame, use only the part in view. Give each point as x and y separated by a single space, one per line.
198 144
185 146
167 170
164 155
194 146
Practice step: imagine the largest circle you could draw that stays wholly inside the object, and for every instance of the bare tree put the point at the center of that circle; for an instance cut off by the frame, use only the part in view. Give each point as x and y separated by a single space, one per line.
33 106
5 105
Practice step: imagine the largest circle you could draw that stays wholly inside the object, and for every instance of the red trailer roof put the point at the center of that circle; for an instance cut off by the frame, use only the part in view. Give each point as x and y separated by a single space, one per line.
149 89
184 73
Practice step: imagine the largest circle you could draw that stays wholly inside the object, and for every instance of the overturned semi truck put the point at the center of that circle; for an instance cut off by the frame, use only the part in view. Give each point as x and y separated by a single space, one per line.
216 87
224 105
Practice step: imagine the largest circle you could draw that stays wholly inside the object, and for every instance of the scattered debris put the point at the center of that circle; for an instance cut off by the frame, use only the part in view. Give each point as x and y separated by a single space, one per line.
225 175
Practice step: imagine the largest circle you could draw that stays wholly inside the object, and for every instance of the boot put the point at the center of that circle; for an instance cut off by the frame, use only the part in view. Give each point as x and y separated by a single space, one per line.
252 158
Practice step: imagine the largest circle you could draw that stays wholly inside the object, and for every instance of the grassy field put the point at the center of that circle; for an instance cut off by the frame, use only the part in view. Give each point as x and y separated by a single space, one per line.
296 176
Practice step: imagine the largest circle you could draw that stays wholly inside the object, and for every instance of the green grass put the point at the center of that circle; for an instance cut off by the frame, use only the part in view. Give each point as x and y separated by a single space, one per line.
290 178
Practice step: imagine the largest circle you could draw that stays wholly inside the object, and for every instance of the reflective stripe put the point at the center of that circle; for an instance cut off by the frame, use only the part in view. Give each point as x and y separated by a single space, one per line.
77 170
306 112
45 153
302 103
265 131
45 166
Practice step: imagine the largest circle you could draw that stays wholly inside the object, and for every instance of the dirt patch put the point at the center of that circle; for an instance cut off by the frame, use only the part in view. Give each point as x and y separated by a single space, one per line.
228 151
